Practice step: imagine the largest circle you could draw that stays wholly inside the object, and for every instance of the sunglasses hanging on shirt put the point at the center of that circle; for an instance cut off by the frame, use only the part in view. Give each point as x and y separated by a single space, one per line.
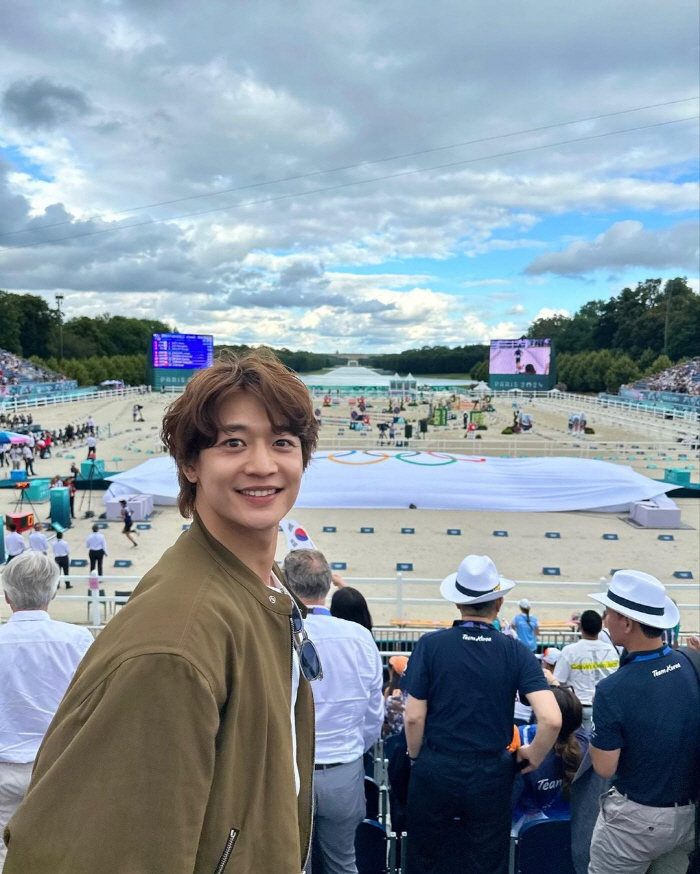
309 660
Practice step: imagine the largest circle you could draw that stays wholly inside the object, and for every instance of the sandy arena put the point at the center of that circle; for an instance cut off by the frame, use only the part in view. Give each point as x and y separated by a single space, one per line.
581 553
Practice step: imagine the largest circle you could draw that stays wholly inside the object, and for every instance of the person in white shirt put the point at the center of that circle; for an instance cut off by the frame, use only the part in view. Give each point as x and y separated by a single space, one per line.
16 457
97 549
349 713
15 544
61 553
28 455
38 657
37 539
91 444
584 664
91 426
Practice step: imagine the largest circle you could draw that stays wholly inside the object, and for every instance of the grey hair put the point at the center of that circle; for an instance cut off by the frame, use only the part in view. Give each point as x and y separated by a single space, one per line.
30 580
308 574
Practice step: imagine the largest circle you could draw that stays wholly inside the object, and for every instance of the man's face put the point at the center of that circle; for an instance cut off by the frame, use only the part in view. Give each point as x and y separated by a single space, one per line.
249 480
617 626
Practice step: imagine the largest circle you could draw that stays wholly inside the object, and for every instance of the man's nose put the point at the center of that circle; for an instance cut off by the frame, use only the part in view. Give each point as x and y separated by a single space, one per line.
260 461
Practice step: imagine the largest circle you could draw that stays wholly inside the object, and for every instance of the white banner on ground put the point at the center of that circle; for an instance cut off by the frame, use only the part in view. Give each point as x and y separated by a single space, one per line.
387 478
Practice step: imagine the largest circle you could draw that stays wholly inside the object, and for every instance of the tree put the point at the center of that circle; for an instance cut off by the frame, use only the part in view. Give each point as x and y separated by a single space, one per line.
622 370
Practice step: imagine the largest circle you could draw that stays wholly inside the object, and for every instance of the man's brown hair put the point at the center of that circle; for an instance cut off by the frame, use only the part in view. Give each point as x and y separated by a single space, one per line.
190 423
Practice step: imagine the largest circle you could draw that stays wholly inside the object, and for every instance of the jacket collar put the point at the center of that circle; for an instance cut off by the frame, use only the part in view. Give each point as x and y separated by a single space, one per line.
241 573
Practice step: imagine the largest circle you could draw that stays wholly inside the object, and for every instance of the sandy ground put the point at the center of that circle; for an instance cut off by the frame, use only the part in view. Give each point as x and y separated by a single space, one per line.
581 553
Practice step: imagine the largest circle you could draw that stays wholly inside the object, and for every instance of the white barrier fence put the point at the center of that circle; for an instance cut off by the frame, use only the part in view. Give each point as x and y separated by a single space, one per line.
16 404
98 603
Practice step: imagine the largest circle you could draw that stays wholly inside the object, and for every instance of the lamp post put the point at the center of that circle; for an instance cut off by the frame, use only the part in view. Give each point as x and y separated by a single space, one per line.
59 301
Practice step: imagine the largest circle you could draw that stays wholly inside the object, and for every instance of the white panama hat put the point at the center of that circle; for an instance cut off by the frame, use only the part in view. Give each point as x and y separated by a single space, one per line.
641 597
475 582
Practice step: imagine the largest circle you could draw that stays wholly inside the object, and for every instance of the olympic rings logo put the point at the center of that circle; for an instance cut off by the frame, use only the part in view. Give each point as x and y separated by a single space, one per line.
405 457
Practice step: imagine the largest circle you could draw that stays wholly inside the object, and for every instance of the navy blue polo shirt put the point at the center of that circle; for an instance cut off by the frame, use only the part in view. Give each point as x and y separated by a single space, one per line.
469 675
649 709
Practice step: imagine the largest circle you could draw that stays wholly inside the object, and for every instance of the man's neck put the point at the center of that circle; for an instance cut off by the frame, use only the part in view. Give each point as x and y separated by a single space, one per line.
256 549
487 620
585 636
314 603
640 643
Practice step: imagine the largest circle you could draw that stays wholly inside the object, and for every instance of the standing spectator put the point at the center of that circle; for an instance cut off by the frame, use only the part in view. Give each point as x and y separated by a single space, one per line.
91 443
205 670
28 455
97 549
646 735
526 627
4 458
125 513
61 553
91 426
584 664
38 657
394 697
16 456
350 604
461 684
37 539
349 713
15 543
72 489
671 636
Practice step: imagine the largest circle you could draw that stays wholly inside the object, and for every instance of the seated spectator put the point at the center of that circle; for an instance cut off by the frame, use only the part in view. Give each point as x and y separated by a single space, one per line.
394 698
38 657
545 792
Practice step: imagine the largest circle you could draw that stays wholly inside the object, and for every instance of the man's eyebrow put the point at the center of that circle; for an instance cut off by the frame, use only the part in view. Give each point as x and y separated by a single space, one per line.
235 427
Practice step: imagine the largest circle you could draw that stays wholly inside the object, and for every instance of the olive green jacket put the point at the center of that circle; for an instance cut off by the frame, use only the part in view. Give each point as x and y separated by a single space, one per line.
171 752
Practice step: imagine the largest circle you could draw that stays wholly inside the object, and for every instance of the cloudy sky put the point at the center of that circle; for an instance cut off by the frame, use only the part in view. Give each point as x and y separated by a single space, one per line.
346 175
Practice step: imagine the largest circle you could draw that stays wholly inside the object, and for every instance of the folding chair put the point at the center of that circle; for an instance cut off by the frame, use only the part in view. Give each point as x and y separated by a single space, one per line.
371 848
122 597
372 799
544 847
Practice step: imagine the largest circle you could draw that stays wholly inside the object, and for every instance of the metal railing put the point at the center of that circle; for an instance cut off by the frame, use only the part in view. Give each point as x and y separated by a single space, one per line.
98 603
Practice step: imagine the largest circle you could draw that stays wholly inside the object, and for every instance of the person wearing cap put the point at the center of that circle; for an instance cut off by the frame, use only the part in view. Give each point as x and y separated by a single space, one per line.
461 684
550 657
584 664
526 627
646 736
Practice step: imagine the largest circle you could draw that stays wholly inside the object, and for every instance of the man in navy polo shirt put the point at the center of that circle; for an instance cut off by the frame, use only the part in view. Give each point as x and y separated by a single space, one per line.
646 735
461 685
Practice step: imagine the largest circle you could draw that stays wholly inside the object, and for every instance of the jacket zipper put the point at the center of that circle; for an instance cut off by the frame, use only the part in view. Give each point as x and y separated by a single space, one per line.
228 849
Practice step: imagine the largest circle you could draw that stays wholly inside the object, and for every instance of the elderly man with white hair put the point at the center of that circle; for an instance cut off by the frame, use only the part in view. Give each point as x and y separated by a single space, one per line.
38 657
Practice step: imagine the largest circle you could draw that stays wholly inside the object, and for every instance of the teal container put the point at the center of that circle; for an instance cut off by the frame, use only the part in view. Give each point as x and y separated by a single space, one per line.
97 467
60 506
677 475
38 490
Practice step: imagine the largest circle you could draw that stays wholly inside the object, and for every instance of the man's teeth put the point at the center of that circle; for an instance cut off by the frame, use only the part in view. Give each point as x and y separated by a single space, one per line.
258 493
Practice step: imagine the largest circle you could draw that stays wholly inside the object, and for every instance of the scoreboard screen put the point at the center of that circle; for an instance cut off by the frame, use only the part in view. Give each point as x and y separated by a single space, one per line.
182 351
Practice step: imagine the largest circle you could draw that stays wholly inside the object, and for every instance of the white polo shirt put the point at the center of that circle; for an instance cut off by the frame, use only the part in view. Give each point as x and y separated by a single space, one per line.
38 657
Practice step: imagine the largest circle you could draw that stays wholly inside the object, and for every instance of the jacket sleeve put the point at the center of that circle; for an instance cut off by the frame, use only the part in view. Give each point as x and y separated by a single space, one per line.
122 780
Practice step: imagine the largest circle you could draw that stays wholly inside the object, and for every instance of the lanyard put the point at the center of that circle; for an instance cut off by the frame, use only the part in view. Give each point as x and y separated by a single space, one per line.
652 655
468 623
320 611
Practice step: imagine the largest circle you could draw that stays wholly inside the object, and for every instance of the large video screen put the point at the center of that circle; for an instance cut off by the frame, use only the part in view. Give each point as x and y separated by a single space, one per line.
520 356
183 351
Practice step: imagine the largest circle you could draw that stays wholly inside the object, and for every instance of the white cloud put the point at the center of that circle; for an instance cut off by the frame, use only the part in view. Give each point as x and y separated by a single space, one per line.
475 283
516 310
548 313
626 244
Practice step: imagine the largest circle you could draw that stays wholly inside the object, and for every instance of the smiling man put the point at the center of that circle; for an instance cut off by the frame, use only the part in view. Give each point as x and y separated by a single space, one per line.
185 744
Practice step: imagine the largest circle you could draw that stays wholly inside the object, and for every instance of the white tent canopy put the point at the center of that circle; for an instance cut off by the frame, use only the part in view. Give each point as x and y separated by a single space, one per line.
441 481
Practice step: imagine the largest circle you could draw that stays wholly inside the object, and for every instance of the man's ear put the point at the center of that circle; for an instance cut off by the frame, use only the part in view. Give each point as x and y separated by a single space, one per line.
190 472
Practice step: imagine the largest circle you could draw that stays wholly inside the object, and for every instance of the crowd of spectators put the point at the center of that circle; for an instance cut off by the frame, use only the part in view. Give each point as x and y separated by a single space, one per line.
15 370
682 378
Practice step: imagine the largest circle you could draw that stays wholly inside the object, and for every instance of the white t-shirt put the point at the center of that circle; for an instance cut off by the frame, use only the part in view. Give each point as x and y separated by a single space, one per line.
584 664
278 586
91 442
